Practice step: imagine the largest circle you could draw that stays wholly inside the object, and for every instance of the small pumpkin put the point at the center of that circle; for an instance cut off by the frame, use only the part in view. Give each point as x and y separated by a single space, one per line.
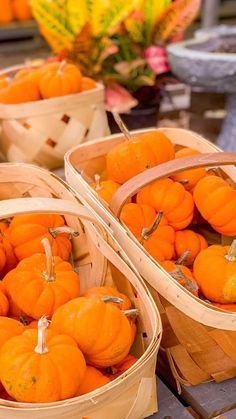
216 201
19 91
22 9
141 152
8 259
182 275
171 198
40 366
4 304
189 240
226 307
151 229
88 84
9 328
60 79
105 189
92 380
123 366
102 346
189 178
6 14
105 291
4 82
215 272
41 283
27 231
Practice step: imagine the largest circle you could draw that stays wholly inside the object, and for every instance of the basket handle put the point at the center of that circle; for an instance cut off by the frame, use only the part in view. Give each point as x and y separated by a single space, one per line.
133 185
19 206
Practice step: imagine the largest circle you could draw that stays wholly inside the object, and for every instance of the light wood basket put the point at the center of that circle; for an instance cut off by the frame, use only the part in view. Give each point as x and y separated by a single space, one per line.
41 132
28 189
199 340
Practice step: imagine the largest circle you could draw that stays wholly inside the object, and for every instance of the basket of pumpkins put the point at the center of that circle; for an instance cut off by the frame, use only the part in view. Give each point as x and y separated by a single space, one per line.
79 331
12 10
169 196
47 109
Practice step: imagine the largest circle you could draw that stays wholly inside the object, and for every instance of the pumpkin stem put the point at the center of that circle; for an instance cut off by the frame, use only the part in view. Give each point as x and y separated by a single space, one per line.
131 312
54 231
122 126
97 179
231 257
180 277
183 181
112 299
50 274
61 67
183 258
147 231
41 347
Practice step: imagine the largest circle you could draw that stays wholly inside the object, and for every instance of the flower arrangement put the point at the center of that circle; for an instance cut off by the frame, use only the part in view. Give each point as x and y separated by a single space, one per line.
120 42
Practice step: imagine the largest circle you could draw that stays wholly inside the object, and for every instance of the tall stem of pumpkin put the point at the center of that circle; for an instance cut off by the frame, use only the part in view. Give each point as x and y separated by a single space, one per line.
97 179
231 257
49 275
180 277
41 347
122 126
183 257
54 231
147 231
61 67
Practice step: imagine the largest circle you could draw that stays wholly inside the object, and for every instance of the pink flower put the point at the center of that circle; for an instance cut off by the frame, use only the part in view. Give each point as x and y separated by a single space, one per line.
119 99
156 59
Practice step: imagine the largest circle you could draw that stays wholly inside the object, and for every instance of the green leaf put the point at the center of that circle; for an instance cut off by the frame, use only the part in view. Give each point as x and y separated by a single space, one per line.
152 9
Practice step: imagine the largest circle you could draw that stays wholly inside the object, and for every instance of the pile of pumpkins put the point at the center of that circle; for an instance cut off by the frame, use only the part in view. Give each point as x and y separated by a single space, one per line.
55 343
50 80
166 215
15 10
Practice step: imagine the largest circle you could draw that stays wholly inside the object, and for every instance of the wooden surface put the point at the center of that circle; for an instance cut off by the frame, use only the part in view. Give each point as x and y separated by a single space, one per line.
211 399
169 406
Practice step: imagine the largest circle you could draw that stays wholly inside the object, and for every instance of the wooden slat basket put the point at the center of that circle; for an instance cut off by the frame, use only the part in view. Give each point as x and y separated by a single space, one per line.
28 189
199 340
41 132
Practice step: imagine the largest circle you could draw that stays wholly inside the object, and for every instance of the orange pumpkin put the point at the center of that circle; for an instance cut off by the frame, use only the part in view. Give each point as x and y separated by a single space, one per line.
19 91
6 14
214 269
105 189
9 328
189 240
216 201
4 82
27 231
151 230
182 274
4 304
189 178
92 380
123 366
21 9
8 258
40 284
142 152
107 292
40 366
88 84
171 198
59 79
102 346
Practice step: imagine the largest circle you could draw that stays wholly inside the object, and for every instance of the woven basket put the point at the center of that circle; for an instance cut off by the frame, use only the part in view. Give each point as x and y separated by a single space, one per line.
199 340
28 189
41 132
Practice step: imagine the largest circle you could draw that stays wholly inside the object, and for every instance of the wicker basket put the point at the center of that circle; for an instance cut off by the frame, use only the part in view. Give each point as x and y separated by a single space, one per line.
28 189
41 132
199 340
